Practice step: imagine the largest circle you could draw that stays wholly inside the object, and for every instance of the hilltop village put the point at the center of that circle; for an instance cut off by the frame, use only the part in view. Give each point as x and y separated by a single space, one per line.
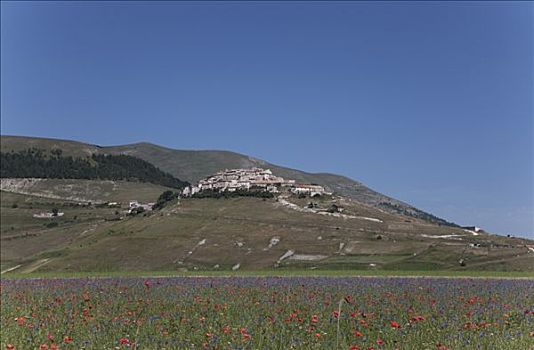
254 179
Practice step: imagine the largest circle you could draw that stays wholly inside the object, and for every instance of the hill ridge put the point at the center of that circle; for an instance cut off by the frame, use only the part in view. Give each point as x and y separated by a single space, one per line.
192 165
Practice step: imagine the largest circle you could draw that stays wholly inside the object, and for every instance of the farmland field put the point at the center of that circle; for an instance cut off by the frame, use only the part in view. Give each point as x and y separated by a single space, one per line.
267 313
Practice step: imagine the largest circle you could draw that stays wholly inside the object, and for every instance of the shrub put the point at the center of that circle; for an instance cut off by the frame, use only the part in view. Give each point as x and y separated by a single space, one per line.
165 198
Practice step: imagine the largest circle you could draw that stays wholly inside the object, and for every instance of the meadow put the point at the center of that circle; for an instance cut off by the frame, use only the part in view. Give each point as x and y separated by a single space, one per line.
260 312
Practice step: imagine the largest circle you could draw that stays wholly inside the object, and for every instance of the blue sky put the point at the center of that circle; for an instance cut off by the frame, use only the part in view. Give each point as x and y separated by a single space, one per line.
430 103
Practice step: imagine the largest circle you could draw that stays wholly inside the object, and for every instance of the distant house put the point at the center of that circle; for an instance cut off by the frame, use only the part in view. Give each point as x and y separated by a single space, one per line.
47 215
473 228
137 205
310 189
186 192
190 190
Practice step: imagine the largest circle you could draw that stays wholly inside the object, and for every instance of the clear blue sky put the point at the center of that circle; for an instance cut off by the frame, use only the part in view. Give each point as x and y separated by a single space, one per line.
431 103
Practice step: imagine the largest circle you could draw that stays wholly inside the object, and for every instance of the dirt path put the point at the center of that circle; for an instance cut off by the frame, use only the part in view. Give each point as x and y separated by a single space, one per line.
36 265
10 269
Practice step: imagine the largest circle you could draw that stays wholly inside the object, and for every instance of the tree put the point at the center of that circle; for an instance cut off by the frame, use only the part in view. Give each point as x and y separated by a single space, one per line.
164 198
53 165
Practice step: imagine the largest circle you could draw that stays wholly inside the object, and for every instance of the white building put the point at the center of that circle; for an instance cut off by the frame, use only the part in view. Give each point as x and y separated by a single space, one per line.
48 215
136 205
312 190
186 192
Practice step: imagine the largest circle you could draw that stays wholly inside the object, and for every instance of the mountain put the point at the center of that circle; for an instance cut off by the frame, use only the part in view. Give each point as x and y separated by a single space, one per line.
192 166
351 229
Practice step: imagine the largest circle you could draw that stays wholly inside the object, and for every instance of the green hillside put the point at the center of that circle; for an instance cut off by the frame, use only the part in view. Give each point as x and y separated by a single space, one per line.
242 233
51 164
191 166
354 229
77 190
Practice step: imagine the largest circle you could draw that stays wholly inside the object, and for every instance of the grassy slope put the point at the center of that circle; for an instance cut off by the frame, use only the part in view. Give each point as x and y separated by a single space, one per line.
194 165
238 231
24 237
85 190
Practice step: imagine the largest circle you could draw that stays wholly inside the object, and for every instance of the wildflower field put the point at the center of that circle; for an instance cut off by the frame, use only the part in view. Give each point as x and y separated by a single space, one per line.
267 313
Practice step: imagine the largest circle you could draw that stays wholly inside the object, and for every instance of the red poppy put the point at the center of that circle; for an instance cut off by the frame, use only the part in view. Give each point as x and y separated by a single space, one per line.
21 320
314 319
67 339
10 347
54 346
470 325
354 347
318 335
379 341
43 347
124 341
358 334
441 346
394 324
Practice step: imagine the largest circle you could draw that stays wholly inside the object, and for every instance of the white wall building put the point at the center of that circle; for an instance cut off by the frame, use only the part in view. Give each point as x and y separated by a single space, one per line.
136 204
309 189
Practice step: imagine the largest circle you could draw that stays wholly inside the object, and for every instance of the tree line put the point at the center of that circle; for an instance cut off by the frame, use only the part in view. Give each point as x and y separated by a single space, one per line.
39 164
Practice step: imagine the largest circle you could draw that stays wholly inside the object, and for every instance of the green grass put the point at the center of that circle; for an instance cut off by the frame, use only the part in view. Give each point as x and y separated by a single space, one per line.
94 239
90 240
77 190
